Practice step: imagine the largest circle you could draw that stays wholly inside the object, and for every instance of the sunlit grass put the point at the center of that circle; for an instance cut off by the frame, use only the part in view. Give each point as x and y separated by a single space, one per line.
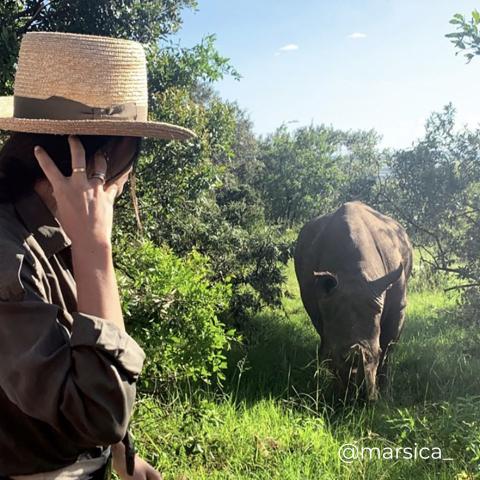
271 420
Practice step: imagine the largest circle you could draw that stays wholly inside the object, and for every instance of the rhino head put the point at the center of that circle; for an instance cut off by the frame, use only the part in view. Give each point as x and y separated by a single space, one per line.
350 312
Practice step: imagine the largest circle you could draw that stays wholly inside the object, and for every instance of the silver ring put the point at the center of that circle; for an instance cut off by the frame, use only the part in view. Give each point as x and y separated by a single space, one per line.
99 175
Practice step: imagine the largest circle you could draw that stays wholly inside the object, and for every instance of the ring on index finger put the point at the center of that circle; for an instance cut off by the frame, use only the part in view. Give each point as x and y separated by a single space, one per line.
79 170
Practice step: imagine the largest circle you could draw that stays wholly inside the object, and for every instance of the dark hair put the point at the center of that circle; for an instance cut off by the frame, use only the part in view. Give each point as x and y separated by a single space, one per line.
19 169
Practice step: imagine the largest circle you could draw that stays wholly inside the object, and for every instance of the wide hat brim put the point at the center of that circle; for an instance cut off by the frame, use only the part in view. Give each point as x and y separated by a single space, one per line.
129 128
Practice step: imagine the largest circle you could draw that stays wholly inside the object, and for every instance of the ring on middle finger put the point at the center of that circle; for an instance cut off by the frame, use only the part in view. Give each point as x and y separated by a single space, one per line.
79 170
99 175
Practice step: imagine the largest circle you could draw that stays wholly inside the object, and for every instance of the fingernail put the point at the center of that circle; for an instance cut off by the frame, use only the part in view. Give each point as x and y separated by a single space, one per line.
37 148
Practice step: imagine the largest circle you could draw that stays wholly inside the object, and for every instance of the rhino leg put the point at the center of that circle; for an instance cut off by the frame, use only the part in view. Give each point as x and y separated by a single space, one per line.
391 329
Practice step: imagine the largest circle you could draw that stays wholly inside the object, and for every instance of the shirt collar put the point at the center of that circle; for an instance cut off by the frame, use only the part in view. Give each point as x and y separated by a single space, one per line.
40 221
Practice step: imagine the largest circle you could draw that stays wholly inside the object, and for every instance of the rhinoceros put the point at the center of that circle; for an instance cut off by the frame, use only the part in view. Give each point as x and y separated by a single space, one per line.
352 267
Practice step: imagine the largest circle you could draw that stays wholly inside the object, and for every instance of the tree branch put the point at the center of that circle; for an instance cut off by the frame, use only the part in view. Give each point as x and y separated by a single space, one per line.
468 285
39 7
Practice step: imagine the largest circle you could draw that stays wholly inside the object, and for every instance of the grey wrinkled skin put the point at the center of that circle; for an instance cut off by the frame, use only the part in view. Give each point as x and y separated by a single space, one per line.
352 267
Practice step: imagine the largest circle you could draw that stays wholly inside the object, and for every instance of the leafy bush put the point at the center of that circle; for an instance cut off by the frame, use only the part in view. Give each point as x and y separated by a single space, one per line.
199 195
312 170
434 190
172 307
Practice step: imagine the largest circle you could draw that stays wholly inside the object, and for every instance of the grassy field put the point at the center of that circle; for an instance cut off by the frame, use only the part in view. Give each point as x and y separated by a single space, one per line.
271 421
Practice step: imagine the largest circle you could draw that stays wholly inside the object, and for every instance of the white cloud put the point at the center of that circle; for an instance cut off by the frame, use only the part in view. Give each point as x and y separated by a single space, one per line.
357 35
289 47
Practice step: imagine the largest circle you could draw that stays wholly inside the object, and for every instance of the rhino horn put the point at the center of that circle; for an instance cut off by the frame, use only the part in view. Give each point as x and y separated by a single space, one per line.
325 282
370 367
384 283
369 363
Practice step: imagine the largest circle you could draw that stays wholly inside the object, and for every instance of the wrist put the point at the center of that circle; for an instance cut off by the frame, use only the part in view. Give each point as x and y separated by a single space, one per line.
118 459
89 257
92 246
118 449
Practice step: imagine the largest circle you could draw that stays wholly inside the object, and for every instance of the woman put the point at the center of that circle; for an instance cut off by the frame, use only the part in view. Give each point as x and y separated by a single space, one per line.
67 367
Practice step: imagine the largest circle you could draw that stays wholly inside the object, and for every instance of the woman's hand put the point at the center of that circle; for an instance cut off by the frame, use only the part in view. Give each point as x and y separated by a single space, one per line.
84 206
143 470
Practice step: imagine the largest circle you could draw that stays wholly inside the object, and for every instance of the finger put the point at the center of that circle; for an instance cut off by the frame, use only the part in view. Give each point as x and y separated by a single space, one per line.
97 169
112 192
123 178
77 152
100 163
120 182
51 171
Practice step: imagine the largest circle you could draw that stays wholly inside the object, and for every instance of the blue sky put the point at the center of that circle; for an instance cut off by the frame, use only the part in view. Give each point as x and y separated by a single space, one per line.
353 64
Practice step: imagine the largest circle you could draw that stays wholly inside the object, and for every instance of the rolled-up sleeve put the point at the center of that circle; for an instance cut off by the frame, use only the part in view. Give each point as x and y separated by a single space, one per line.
82 382
94 332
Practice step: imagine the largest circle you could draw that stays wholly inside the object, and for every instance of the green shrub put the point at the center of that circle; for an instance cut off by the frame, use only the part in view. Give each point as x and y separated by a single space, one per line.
172 307
433 189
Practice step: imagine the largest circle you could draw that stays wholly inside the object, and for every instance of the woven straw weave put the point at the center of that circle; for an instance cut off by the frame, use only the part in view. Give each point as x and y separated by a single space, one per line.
96 71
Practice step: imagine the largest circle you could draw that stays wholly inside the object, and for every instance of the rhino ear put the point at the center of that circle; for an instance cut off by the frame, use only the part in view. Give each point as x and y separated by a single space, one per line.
325 282
384 283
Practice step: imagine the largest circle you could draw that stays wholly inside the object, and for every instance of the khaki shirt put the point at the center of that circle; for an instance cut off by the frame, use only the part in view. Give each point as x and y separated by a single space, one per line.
67 379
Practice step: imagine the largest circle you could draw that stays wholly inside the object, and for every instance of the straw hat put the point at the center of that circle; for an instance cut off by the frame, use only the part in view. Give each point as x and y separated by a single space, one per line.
69 83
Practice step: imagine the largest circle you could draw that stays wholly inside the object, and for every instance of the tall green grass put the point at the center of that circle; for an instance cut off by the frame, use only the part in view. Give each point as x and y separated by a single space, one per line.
271 420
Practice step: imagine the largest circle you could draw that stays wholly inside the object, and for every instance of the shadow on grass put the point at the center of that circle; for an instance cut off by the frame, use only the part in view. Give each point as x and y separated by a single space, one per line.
432 362
279 358
437 358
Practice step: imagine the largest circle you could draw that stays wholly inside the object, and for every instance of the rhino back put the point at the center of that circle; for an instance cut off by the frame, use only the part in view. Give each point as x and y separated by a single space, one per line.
355 239
385 236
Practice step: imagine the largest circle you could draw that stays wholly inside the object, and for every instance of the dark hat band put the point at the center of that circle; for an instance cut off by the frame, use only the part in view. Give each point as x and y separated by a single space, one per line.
60 108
